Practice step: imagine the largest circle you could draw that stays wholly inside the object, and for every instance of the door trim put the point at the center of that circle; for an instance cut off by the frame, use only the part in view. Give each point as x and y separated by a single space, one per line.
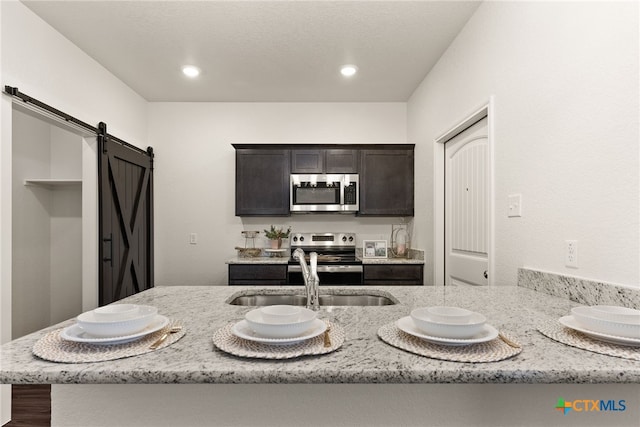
487 109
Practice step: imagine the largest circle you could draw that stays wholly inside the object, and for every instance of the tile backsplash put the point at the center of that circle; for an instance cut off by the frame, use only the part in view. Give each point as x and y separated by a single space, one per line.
580 290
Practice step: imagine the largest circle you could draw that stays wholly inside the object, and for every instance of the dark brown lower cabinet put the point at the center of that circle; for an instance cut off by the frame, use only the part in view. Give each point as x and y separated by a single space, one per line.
261 274
393 274
373 274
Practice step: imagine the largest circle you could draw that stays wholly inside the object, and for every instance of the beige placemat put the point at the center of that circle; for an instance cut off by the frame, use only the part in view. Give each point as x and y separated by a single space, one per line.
225 340
53 348
558 332
490 351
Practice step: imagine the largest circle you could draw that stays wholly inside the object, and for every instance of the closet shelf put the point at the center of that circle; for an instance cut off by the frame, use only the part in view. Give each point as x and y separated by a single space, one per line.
52 183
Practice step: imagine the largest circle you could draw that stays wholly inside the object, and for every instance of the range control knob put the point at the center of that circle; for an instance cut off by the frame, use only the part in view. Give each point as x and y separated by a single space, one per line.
344 238
295 238
351 238
302 238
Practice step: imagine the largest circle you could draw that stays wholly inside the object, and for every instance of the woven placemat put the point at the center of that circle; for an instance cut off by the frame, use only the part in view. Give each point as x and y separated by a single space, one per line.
558 332
225 340
490 351
53 348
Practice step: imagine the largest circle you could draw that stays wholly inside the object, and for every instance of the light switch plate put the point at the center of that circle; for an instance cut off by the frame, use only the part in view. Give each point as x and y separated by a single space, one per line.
515 205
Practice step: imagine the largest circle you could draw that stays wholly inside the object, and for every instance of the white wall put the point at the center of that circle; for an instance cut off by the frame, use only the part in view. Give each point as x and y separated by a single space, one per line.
31 208
66 227
195 174
47 226
44 64
565 80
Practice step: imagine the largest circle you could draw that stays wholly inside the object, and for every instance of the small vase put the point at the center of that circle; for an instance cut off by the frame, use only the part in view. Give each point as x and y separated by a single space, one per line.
276 243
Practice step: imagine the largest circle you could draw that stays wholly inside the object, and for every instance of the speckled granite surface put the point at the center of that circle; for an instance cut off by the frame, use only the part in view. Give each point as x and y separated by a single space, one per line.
391 261
259 260
416 256
363 358
582 291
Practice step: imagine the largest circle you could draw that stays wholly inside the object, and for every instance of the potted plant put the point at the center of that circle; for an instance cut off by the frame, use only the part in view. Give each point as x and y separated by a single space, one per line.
276 235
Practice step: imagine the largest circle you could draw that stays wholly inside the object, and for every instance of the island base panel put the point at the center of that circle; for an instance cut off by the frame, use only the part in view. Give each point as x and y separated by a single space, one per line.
336 404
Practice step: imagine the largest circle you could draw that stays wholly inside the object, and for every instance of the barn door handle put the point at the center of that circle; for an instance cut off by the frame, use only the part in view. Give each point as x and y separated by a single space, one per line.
485 274
109 253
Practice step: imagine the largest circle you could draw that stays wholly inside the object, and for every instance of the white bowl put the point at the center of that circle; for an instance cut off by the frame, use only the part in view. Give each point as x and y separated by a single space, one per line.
616 314
116 312
256 322
109 328
585 317
450 315
429 326
280 314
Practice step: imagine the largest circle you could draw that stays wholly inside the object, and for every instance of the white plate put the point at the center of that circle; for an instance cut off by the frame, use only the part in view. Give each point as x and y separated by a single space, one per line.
77 334
487 333
242 330
570 322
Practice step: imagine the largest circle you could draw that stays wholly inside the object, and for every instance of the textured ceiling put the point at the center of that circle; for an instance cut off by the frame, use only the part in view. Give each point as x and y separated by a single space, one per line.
262 50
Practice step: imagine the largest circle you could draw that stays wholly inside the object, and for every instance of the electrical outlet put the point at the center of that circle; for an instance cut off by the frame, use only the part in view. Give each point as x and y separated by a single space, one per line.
571 253
193 238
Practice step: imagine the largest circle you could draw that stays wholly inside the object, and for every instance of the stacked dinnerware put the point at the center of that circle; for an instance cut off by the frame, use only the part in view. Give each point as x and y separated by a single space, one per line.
619 325
447 325
115 324
279 324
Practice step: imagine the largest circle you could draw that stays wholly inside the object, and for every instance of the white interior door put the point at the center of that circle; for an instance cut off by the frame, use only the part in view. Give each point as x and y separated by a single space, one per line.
467 206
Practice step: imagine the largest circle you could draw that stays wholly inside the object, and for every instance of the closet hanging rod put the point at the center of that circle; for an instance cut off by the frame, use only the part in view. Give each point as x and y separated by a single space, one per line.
100 130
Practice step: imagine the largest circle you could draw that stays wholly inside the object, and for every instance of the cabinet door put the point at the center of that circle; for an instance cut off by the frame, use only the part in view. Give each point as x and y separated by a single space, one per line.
393 274
262 182
386 182
307 161
248 274
341 161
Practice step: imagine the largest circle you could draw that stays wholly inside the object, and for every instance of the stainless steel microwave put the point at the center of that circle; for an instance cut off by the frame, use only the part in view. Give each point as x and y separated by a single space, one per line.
324 193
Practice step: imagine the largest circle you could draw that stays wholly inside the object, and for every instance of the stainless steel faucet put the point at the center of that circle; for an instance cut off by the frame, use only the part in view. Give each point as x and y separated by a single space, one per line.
310 277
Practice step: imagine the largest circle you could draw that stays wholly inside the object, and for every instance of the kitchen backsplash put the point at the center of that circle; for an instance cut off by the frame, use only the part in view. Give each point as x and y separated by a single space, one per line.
580 290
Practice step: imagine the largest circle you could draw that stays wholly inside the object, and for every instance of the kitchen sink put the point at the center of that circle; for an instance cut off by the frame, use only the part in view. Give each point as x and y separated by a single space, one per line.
261 299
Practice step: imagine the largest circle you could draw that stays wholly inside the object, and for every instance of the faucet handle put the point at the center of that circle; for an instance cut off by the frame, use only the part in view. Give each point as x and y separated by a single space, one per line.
313 263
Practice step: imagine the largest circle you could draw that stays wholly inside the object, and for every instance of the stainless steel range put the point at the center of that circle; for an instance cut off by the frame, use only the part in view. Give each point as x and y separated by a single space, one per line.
337 262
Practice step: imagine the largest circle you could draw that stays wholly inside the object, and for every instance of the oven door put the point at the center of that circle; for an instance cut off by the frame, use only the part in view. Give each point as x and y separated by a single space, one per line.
340 275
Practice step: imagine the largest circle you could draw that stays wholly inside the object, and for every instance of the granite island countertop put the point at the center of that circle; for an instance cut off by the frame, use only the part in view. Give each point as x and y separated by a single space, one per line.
363 358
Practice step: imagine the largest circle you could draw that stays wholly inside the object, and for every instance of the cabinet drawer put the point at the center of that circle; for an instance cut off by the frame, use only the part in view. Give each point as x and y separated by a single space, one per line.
393 274
246 274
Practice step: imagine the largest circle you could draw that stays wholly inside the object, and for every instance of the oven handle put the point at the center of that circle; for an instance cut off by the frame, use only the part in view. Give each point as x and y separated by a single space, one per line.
329 269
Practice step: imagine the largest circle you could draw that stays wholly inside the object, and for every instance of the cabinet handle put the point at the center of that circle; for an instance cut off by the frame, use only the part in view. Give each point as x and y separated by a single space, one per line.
108 254
485 274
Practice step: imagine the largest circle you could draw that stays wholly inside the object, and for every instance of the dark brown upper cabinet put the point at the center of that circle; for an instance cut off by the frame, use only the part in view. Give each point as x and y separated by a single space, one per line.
324 161
262 181
387 181
263 172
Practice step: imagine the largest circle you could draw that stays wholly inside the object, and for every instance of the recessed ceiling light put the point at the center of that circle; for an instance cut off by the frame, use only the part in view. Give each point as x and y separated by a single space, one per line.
348 70
191 71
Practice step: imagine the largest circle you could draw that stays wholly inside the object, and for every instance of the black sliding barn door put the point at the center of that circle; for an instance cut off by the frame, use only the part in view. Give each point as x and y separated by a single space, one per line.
126 220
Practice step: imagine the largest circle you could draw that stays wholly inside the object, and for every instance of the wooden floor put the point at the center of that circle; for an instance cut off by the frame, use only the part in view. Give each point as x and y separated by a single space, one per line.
30 406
